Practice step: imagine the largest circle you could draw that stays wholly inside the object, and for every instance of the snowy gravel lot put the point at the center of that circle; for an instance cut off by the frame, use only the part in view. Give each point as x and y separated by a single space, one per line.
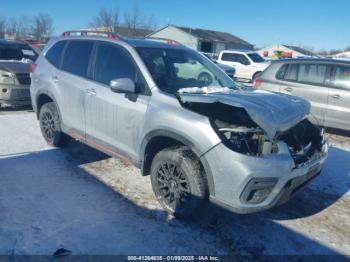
84 201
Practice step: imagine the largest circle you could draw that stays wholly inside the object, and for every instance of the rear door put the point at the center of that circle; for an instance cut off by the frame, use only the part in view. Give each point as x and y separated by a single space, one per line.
309 81
72 84
114 120
338 113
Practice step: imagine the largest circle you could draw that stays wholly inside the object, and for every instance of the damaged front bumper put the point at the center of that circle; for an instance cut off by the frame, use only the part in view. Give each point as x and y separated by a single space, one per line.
247 184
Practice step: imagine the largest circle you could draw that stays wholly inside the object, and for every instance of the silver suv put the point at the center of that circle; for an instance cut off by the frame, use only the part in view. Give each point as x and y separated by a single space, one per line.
324 82
198 139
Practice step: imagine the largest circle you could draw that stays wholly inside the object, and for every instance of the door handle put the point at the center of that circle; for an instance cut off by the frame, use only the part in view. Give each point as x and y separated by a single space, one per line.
336 96
288 89
91 92
55 79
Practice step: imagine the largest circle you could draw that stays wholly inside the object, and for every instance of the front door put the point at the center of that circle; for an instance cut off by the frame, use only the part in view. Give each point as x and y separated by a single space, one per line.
114 120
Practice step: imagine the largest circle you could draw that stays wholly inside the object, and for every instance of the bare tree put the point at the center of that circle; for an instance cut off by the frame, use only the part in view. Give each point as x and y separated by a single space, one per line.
106 20
2 27
12 27
42 27
135 19
23 26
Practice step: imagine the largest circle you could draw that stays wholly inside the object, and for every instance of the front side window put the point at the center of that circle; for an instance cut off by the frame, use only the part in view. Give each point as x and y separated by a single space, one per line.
173 69
312 73
256 58
113 62
77 57
229 57
55 52
237 58
342 77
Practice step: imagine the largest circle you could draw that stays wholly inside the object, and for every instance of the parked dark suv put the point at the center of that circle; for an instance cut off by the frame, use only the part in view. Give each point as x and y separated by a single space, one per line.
16 59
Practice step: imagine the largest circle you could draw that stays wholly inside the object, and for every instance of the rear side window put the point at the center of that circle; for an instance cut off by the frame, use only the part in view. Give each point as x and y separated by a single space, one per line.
55 52
342 77
77 56
238 58
312 73
292 72
113 62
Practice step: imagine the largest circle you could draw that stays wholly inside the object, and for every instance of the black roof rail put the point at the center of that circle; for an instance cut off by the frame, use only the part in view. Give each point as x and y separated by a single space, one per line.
92 33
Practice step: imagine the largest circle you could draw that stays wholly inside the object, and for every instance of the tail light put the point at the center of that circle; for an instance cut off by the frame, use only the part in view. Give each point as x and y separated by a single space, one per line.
32 68
257 83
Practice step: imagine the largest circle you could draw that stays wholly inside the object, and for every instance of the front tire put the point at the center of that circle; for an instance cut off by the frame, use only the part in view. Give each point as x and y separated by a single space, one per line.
50 125
179 182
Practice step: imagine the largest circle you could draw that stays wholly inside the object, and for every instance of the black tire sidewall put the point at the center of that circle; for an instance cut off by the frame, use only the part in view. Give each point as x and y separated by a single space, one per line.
191 170
51 108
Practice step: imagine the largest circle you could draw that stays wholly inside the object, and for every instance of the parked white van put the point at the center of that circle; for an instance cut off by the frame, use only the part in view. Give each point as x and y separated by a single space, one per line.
248 64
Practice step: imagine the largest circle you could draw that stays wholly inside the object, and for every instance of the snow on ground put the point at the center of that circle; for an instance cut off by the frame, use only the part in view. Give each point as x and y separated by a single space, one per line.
84 201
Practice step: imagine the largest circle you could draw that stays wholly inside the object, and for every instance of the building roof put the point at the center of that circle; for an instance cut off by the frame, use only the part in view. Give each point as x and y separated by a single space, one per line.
343 54
210 35
138 32
300 50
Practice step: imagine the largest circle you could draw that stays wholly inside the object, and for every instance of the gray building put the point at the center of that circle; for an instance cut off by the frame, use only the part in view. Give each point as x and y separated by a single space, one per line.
207 41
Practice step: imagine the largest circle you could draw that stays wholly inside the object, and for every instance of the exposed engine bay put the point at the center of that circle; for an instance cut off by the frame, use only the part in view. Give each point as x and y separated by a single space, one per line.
304 140
241 134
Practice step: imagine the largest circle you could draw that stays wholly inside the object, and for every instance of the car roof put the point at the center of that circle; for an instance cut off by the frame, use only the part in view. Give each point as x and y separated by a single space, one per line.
313 60
11 42
239 51
134 42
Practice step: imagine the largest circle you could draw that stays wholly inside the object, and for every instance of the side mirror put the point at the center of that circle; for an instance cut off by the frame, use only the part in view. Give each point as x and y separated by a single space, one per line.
246 62
123 85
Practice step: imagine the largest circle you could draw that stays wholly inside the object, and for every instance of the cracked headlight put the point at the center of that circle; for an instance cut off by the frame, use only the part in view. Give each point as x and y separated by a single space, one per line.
246 140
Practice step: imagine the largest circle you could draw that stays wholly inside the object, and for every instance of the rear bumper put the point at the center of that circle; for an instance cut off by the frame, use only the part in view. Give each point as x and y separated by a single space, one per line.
236 177
15 95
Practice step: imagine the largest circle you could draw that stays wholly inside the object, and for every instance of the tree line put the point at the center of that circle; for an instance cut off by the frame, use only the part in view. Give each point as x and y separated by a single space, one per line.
39 27
111 20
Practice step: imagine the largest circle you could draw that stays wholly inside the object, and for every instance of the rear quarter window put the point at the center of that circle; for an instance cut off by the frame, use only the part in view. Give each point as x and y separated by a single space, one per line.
53 55
292 72
281 72
77 57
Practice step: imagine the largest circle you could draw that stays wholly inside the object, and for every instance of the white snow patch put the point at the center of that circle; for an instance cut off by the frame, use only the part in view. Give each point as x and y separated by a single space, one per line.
205 90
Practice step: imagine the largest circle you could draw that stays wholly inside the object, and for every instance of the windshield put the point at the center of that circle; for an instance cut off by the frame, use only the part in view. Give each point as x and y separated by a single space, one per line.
16 52
173 69
256 57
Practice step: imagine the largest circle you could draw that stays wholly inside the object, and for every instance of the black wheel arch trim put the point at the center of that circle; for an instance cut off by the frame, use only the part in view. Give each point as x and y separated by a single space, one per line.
50 95
187 142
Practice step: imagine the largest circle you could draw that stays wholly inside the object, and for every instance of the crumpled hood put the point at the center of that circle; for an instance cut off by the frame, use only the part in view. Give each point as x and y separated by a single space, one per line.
272 112
16 67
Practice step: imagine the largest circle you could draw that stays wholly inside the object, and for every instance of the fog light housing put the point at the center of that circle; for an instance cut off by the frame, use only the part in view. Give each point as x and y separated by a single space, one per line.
257 190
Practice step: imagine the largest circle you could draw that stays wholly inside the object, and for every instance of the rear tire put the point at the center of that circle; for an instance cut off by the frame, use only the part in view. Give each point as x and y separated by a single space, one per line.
179 182
50 125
